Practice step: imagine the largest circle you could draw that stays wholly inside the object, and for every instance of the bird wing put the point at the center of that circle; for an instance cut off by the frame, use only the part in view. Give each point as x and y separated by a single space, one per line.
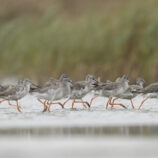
78 85
53 83
3 88
13 90
111 86
152 88
134 88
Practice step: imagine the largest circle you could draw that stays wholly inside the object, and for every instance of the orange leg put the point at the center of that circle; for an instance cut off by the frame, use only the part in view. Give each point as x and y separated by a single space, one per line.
83 102
132 104
40 101
49 105
84 105
65 102
87 103
54 103
142 103
10 103
93 99
18 106
108 102
112 103
119 105
73 102
2 101
58 103
45 106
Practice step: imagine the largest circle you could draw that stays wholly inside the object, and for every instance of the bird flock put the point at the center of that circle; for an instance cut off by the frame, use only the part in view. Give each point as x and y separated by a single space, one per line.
52 91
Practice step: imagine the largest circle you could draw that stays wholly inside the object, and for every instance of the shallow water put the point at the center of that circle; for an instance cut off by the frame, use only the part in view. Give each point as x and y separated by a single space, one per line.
91 132
79 147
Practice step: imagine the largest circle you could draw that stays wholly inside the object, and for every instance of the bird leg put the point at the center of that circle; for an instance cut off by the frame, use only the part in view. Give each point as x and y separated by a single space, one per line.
73 102
142 103
108 102
93 99
40 101
58 103
112 103
44 104
18 106
49 105
2 101
65 102
119 105
84 105
132 104
10 103
83 102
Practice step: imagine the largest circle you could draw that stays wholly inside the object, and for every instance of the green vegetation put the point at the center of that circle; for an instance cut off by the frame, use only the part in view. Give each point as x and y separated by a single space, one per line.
107 38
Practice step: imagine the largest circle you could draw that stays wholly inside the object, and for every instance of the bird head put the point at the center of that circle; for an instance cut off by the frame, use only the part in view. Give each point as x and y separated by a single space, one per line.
140 81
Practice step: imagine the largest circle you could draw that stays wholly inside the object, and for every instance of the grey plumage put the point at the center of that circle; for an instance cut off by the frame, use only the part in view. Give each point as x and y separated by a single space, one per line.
82 88
138 86
54 90
16 92
152 88
115 89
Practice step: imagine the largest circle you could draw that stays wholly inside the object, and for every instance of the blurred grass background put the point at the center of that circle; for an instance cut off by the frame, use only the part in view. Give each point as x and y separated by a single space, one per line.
44 38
